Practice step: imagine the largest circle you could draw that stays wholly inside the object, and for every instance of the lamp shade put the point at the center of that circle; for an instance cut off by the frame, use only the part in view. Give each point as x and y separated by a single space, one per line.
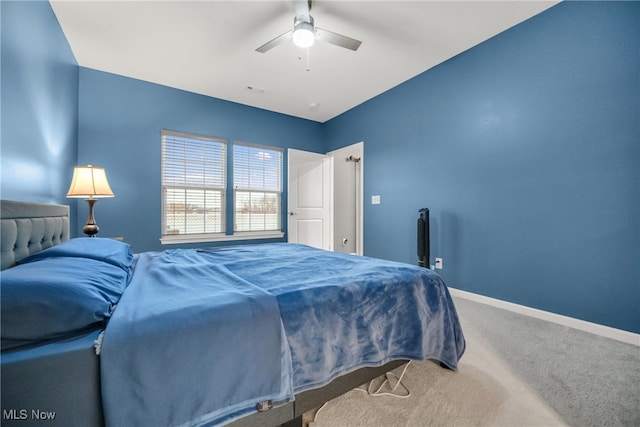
89 181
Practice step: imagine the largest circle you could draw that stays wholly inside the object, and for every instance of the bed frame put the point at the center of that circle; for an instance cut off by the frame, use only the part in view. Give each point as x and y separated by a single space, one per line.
291 414
31 227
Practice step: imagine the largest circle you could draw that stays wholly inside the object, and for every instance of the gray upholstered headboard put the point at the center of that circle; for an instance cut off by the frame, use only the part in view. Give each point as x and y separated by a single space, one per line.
28 228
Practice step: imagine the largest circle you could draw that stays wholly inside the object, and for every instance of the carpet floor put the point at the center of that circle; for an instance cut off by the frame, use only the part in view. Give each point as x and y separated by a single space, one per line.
505 379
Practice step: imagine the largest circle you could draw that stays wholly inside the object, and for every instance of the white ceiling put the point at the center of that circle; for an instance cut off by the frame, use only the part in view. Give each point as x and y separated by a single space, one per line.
208 47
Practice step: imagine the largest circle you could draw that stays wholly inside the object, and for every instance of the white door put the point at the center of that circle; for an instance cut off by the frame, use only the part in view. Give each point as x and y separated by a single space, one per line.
310 193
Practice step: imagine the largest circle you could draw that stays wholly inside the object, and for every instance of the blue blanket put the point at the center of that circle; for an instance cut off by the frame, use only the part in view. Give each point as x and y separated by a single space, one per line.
191 343
199 335
342 312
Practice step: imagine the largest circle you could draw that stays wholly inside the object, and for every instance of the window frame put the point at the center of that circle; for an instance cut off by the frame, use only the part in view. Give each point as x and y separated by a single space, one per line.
187 161
278 192
228 232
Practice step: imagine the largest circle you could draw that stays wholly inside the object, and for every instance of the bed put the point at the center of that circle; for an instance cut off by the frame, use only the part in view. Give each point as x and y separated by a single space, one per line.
247 335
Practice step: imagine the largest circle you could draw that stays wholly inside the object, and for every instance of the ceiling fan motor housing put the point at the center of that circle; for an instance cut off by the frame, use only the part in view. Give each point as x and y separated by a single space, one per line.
303 32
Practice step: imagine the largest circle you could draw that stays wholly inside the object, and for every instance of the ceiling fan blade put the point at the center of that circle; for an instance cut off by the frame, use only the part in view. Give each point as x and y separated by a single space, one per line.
337 39
275 42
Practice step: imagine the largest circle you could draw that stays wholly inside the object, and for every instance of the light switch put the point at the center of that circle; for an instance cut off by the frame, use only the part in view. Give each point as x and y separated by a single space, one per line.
375 200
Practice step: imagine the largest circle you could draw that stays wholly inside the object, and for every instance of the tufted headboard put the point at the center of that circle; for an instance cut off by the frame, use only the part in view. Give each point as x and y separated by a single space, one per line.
28 228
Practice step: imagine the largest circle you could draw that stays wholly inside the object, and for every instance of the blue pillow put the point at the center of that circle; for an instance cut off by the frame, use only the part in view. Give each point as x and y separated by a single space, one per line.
101 249
54 296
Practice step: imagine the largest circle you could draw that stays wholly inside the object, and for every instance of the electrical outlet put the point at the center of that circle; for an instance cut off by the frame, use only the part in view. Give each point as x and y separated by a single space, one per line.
439 263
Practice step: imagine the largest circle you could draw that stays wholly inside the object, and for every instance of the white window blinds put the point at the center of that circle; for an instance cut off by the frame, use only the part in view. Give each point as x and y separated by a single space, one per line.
193 184
257 182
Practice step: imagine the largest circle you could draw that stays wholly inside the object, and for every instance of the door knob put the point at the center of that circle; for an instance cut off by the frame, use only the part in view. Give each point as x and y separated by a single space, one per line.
292 213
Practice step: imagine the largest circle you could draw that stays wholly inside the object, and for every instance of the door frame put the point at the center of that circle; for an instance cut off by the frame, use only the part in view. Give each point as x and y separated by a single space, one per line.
357 150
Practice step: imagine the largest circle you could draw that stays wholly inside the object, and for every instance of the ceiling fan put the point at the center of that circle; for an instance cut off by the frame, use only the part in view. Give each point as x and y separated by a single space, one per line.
304 32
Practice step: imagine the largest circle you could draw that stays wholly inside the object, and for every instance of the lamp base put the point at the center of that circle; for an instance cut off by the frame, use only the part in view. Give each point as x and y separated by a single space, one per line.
91 228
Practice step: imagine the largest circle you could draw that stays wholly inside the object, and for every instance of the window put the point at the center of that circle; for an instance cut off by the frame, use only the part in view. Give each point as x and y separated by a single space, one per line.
193 185
257 183
195 195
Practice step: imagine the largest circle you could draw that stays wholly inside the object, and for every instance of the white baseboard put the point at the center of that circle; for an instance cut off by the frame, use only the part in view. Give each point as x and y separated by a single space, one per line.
594 328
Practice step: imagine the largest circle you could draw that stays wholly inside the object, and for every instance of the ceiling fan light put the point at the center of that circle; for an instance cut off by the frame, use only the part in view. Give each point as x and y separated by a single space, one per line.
303 34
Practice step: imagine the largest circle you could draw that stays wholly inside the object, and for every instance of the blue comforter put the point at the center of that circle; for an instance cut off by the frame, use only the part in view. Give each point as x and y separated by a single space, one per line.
201 336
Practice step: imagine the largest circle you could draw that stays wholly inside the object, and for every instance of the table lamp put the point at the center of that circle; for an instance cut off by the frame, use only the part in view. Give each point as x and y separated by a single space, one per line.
89 182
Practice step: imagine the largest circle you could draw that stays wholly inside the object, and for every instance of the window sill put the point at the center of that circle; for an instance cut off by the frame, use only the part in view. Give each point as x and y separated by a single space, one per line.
242 235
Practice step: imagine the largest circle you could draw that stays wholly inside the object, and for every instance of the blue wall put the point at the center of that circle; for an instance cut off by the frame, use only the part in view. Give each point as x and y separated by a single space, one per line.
120 124
526 149
39 119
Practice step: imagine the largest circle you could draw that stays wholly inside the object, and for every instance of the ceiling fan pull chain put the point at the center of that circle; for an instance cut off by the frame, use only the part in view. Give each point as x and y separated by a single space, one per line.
308 59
